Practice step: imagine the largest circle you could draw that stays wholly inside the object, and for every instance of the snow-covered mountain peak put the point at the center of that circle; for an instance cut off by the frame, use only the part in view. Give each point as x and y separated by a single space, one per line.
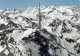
59 35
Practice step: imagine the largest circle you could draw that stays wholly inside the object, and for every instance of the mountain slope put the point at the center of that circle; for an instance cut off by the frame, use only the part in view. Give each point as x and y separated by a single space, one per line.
59 34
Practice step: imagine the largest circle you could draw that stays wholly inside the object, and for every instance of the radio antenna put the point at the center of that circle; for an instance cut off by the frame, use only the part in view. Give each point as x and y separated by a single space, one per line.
39 16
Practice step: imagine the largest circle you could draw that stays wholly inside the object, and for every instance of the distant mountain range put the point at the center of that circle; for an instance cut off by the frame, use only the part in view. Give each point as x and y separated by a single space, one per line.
59 34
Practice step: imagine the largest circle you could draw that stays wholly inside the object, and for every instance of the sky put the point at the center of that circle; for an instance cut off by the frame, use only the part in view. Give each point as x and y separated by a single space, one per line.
11 4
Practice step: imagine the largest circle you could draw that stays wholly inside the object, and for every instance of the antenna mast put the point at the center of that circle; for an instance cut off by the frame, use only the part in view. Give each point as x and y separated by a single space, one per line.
39 16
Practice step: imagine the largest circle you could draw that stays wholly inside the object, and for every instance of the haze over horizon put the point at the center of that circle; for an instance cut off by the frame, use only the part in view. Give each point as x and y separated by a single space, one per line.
11 4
